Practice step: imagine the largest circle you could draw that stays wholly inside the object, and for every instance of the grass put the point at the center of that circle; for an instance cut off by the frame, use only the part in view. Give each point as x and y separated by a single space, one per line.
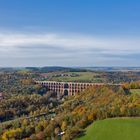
114 129
81 76
135 91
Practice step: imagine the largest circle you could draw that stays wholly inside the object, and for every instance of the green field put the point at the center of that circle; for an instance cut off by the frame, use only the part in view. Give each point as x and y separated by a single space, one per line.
135 91
81 76
113 129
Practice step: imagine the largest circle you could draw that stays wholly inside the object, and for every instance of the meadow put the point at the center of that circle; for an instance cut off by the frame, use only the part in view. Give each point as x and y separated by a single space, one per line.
76 77
113 129
135 91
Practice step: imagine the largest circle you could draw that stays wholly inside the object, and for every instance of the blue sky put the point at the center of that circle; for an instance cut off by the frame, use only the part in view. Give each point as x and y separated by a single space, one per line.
69 32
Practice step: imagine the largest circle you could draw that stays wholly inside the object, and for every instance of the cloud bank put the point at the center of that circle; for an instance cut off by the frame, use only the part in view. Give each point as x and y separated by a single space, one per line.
68 49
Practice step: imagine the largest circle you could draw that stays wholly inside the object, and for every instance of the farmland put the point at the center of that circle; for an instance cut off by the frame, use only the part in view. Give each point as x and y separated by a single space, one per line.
135 91
113 129
75 77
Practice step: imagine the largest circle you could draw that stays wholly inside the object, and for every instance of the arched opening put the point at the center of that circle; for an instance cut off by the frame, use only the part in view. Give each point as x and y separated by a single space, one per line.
66 86
65 92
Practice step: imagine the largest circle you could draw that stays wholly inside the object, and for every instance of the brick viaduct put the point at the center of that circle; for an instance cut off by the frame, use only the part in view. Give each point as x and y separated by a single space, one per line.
68 88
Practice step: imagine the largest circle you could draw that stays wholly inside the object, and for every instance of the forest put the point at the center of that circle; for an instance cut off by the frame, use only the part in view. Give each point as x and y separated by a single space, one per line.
71 116
29 111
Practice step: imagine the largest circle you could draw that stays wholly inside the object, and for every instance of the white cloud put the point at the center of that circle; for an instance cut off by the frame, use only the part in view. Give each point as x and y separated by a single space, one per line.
71 47
11 41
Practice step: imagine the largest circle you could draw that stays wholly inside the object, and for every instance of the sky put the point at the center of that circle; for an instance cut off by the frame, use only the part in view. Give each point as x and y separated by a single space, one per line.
69 33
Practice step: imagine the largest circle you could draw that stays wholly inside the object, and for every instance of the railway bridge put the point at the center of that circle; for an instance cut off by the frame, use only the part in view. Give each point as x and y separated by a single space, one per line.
69 88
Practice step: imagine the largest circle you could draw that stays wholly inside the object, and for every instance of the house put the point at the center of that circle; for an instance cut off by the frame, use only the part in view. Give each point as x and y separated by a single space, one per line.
61 133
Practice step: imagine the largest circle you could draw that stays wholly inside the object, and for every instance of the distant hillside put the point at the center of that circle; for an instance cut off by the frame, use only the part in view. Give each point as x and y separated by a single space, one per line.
109 69
54 68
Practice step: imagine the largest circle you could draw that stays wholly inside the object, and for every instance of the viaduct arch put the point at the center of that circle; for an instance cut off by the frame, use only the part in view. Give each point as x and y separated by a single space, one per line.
68 88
